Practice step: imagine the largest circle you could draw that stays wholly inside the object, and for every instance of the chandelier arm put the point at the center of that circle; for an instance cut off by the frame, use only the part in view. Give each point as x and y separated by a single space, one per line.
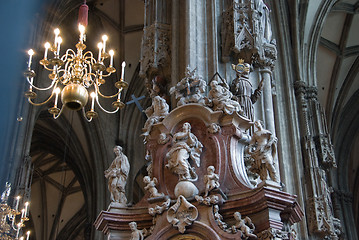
40 104
48 69
65 72
106 75
104 96
86 57
106 111
67 53
41 89
87 119
58 115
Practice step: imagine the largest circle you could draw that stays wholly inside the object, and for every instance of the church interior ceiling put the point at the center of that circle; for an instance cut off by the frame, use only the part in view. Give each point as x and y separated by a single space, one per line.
68 181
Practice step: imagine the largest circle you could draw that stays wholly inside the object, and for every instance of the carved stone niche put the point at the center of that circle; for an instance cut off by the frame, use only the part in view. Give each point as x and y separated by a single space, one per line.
266 205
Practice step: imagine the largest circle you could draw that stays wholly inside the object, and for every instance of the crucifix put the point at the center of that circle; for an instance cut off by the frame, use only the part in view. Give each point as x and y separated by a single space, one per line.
136 101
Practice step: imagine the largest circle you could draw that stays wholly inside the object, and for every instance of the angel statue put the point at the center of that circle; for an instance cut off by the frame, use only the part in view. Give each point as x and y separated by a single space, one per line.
185 147
262 148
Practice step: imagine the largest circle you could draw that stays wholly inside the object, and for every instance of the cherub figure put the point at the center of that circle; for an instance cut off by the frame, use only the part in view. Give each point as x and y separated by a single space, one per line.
155 113
218 217
151 186
137 234
211 180
244 225
190 89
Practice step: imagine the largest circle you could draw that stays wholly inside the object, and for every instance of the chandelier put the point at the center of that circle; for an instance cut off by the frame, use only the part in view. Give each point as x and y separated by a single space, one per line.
11 222
74 73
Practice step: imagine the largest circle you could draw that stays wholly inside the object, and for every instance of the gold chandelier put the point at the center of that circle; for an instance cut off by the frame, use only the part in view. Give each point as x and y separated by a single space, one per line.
11 222
77 71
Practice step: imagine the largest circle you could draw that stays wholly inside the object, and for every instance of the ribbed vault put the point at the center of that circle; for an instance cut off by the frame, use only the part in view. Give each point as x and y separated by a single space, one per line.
338 83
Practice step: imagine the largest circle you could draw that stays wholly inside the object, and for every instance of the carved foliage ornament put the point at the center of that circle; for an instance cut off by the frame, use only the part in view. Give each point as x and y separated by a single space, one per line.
182 214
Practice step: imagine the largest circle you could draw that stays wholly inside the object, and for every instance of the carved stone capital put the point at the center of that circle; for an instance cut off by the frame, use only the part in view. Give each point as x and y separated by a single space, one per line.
299 87
275 234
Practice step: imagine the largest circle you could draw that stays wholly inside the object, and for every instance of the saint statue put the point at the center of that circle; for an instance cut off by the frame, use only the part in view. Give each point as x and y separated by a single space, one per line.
242 89
262 148
264 21
220 98
117 175
5 195
185 147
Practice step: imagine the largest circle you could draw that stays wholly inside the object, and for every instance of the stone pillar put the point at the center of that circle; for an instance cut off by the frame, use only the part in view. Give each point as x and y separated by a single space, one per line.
268 99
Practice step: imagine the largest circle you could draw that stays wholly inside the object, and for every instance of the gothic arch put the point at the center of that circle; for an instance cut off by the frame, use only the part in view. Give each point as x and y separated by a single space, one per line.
345 146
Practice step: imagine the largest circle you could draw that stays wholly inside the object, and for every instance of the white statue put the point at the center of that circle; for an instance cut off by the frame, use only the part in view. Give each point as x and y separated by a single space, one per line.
185 147
220 98
5 195
117 175
190 89
137 234
218 217
244 225
262 148
211 180
155 113
265 25
151 187
242 89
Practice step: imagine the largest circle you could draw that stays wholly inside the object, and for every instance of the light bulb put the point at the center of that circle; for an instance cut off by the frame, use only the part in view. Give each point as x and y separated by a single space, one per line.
104 38
111 52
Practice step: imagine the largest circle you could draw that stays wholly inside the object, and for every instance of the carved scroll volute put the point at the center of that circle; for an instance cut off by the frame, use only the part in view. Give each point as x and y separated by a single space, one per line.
236 138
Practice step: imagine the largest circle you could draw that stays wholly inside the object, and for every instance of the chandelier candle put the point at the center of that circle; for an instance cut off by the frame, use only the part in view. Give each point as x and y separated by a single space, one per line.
30 52
47 46
104 39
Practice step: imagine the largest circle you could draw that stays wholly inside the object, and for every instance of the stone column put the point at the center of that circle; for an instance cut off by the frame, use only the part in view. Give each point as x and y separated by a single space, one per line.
266 75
